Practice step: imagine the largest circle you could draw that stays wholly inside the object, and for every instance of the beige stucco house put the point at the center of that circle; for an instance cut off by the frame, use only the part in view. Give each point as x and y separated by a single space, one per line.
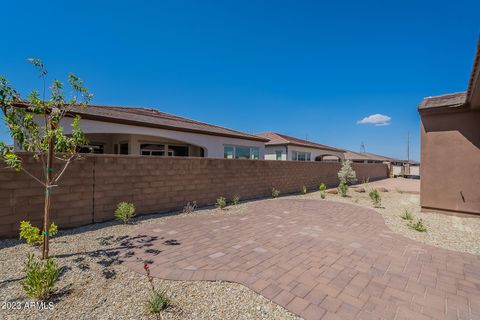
283 147
149 132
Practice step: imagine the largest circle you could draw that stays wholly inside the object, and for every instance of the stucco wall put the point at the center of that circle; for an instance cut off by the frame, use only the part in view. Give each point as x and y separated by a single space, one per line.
213 145
92 187
450 157
270 152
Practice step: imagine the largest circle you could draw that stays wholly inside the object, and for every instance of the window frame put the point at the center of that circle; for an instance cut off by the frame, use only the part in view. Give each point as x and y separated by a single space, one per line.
254 152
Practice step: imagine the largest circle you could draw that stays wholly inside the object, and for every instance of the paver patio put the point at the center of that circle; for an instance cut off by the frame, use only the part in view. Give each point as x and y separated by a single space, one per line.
318 259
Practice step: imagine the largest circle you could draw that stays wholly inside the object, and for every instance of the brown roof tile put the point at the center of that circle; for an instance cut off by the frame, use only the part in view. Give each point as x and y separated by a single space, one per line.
446 100
153 118
281 139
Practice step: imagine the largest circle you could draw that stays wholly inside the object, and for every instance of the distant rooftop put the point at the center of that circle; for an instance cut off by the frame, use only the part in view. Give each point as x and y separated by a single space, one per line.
154 118
282 139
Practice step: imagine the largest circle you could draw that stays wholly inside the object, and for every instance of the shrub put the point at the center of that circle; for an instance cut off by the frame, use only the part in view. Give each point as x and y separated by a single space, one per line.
221 202
33 234
158 300
125 212
417 226
190 207
41 276
236 199
275 193
407 215
322 189
342 189
346 174
304 190
375 197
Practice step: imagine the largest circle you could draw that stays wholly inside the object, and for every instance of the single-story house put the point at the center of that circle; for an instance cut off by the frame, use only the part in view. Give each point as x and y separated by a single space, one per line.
283 147
450 148
149 132
398 168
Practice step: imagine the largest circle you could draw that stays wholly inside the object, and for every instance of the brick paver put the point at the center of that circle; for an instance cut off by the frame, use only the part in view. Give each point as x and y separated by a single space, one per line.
318 259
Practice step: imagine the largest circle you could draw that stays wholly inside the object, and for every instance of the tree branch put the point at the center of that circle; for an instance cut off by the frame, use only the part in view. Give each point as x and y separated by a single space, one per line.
60 173
32 176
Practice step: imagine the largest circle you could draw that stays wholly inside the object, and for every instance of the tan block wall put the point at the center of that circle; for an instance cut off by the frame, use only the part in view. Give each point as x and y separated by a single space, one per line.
92 187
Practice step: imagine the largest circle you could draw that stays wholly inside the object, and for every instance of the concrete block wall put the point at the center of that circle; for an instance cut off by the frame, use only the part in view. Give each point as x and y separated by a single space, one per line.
92 187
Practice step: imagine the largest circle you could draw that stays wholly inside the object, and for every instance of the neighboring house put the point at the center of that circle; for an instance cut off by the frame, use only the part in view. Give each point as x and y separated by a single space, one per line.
283 147
398 168
450 148
149 132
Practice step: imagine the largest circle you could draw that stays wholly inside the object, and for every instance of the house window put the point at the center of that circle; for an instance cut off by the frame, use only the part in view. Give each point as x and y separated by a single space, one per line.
157 150
240 152
301 156
278 155
92 148
123 148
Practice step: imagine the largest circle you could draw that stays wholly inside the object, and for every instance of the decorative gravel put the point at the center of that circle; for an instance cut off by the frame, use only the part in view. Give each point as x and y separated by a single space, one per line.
94 285
443 230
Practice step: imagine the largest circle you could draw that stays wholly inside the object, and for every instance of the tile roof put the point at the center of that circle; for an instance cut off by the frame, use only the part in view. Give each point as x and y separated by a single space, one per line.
153 118
350 155
446 100
281 139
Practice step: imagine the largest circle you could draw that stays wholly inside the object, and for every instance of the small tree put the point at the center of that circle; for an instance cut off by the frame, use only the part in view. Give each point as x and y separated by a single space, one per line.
346 174
34 125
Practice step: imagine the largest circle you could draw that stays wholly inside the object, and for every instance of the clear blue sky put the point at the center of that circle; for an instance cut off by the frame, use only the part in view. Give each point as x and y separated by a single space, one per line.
297 67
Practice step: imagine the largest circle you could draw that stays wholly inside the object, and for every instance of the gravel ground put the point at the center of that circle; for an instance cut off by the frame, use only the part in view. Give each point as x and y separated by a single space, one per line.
95 286
446 231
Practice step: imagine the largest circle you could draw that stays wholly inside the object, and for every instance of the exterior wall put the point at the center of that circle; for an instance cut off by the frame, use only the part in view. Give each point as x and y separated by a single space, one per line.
92 187
213 145
450 157
271 155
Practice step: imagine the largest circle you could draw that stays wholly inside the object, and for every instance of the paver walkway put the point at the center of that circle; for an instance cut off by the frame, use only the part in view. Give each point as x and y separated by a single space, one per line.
318 259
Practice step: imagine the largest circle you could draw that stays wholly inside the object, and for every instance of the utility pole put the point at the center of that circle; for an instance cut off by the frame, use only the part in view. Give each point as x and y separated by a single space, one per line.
362 147
408 146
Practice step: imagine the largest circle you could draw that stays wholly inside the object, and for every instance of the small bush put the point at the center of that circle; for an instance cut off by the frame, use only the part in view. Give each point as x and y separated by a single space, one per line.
236 199
158 302
125 212
190 207
275 193
221 202
304 190
417 226
407 215
343 189
40 278
322 187
346 174
33 234
375 197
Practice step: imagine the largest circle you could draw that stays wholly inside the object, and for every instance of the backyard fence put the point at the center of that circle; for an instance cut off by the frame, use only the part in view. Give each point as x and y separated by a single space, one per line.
91 188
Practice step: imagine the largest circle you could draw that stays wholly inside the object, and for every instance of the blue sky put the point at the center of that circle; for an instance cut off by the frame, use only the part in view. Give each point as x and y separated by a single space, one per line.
304 68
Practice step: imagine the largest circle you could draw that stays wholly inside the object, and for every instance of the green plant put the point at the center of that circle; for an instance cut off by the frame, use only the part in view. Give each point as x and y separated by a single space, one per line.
221 202
40 278
275 193
322 189
375 197
125 212
236 199
407 215
346 174
343 189
158 302
44 139
33 235
190 207
417 225
304 190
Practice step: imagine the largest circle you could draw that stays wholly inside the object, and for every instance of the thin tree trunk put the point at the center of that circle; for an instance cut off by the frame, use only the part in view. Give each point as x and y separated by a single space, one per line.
46 213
